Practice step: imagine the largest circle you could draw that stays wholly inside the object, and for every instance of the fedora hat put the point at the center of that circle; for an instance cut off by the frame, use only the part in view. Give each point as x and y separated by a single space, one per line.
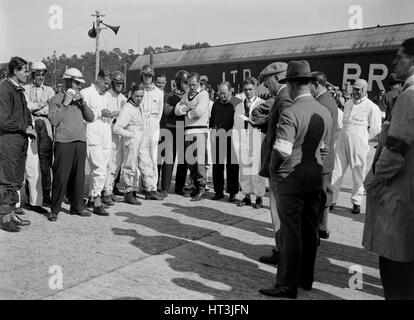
297 69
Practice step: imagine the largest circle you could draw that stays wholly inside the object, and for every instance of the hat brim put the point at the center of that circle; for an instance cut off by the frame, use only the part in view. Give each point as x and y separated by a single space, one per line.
296 78
79 80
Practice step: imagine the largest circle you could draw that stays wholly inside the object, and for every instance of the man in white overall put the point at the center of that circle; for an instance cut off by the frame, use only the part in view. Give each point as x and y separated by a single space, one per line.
99 139
361 123
116 101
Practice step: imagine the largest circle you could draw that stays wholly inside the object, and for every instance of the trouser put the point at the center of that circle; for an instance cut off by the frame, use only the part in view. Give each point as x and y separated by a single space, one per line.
114 164
33 174
299 215
195 154
45 148
167 156
397 279
137 157
13 152
182 165
358 175
232 169
327 199
252 184
98 157
68 174
273 213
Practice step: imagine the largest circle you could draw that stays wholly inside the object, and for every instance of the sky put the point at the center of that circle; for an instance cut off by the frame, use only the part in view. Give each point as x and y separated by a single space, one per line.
26 26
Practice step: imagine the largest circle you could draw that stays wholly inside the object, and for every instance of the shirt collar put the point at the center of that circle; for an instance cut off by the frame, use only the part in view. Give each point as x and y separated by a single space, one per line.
281 88
97 89
409 82
16 85
303 96
320 94
359 101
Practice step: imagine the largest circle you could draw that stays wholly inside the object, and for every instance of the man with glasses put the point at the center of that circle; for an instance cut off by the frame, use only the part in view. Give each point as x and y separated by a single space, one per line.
15 129
116 101
68 113
361 123
38 96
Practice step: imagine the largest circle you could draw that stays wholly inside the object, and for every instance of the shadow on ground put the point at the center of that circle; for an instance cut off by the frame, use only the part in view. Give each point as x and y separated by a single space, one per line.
264 229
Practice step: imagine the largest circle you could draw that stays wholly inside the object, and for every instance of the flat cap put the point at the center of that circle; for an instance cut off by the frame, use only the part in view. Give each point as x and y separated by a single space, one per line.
273 68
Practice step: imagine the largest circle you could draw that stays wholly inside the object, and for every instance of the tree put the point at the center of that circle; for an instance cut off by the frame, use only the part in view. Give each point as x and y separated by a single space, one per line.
195 45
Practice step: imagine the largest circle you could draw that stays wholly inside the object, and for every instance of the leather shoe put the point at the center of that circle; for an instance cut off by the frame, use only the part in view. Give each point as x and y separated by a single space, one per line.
19 211
218 196
323 234
52 216
232 198
280 292
10 226
80 213
198 196
37 209
306 287
107 200
100 211
164 193
259 203
129 198
180 192
245 202
19 222
194 193
356 209
152 195
272 259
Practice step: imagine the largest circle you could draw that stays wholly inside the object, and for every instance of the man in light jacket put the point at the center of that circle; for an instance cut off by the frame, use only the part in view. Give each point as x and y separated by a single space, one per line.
195 106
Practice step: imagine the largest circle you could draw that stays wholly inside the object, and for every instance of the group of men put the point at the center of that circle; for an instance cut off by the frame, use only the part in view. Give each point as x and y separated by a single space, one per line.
88 138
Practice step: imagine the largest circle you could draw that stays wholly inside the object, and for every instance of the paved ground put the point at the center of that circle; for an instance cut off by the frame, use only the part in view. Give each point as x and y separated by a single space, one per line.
174 249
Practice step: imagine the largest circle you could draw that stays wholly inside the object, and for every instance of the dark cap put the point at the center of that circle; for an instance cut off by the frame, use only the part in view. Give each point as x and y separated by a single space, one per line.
297 69
273 68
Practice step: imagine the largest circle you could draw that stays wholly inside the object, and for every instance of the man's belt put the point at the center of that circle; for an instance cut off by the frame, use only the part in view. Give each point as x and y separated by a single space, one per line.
195 127
40 115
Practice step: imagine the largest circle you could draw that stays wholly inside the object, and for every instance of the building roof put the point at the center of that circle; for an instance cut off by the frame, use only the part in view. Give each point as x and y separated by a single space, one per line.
381 38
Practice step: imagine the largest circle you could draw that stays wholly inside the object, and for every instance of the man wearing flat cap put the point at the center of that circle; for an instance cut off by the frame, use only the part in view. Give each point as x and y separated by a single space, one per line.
296 169
266 117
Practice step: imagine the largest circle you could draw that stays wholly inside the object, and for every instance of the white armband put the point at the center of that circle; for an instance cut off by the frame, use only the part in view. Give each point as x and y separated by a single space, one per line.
283 146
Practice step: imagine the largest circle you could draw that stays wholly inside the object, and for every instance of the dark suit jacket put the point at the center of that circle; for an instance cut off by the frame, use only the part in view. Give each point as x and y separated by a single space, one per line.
329 103
267 115
302 141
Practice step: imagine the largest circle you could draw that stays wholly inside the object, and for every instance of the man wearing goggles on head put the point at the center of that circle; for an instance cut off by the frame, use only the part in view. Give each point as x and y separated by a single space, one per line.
38 96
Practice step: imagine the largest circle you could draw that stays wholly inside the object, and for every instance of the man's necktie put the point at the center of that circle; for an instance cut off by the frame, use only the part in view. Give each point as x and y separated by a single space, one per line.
247 104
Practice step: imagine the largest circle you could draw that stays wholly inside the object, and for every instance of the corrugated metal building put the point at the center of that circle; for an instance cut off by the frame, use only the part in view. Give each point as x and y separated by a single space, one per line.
336 53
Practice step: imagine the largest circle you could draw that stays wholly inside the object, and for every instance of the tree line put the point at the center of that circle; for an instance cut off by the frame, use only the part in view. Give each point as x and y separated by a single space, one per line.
113 60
